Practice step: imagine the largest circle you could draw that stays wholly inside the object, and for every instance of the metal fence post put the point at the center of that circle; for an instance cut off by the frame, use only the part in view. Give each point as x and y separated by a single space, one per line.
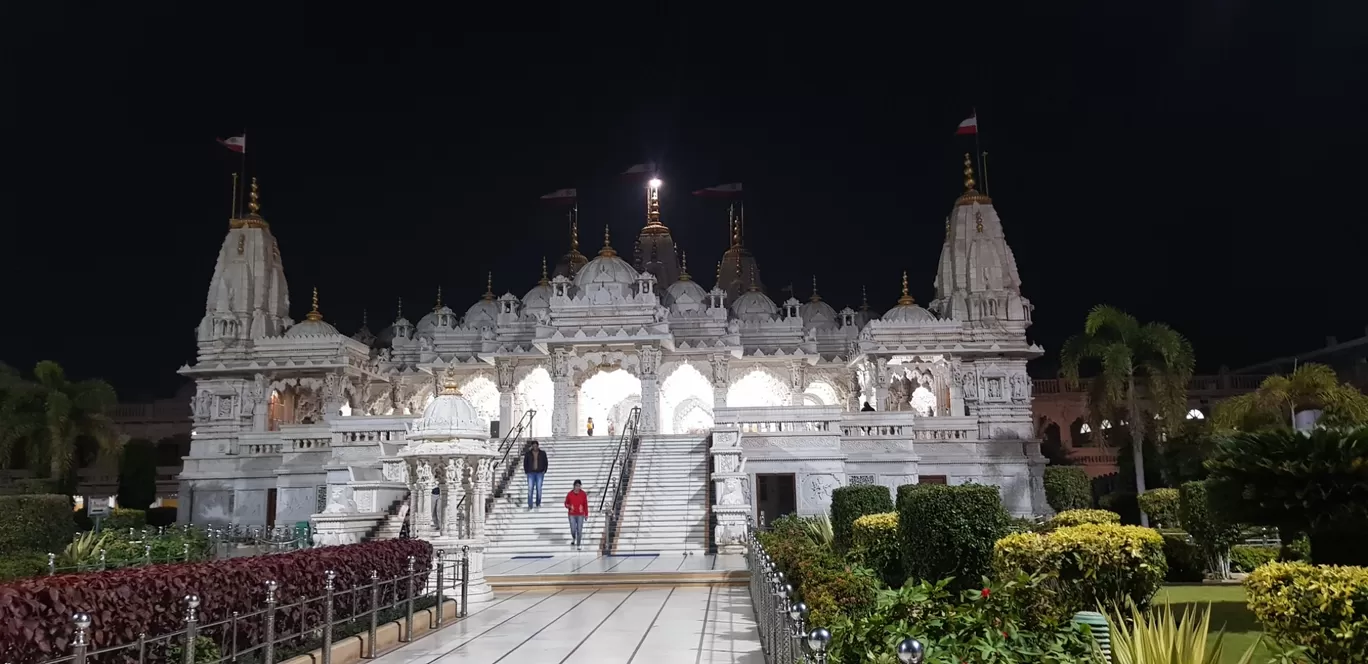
52 564
328 600
438 559
374 613
102 560
232 631
465 579
185 551
192 602
269 657
408 618
147 554
79 642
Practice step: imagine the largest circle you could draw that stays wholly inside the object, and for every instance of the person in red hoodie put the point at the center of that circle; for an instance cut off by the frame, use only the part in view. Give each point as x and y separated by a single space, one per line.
577 503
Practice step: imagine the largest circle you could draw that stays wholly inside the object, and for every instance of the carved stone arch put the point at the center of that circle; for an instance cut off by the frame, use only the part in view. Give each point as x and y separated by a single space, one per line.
825 392
755 375
525 369
586 365
682 416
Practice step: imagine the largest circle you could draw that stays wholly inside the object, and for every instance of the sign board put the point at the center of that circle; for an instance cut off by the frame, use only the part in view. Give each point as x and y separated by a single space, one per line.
97 507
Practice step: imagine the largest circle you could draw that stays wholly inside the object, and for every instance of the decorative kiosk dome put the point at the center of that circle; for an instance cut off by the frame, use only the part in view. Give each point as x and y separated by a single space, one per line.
312 325
448 417
754 306
686 296
607 277
907 310
817 313
484 312
539 298
441 316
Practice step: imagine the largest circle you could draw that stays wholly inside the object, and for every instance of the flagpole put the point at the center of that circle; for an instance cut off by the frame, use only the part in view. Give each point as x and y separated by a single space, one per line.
244 166
985 175
232 207
978 156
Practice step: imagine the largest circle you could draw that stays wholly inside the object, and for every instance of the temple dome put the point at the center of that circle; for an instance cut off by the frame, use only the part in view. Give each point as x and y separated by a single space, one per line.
815 312
440 317
754 305
607 275
539 298
485 312
907 310
313 324
450 415
686 296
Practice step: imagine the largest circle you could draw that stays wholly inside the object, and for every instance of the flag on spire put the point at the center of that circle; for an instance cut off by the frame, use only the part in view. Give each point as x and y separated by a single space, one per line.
236 143
648 168
561 196
728 191
969 127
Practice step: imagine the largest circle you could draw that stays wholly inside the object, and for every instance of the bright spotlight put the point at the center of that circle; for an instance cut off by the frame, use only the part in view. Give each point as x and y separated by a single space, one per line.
655 183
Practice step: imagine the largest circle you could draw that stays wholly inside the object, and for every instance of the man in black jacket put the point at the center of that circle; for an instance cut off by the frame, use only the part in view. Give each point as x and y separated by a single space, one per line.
534 464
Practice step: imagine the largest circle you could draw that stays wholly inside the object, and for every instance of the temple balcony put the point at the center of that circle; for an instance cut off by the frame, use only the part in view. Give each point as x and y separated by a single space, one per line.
894 426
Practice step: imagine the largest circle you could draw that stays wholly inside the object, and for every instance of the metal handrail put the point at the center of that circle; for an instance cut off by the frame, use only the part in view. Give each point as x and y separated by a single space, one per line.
506 449
619 475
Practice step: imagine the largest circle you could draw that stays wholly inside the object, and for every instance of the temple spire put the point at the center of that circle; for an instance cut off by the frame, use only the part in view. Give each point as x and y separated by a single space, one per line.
314 315
544 280
684 266
906 298
254 198
439 299
653 203
864 299
574 229
815 297
607 249
489 286
400 311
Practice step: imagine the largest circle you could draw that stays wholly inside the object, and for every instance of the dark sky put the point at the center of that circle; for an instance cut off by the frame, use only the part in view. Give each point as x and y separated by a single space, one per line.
1190 162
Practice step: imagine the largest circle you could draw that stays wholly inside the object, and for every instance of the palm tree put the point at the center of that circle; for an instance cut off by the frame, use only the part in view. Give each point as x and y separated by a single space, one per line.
1131 356
50 414
1279 398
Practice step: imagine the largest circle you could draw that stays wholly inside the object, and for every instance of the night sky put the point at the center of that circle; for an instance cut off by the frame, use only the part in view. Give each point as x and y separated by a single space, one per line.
1189 162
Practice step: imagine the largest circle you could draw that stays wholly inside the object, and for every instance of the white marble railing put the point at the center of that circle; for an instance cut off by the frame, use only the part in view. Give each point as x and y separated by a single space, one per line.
259 443
782 419
362 430
907 426
306 437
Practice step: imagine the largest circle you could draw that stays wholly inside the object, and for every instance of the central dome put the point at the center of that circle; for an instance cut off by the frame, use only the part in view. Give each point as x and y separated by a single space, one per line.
754 306
449 416
607 277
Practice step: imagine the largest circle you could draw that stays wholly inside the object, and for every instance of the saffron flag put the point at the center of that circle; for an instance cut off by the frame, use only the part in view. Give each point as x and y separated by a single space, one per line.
647 168
732 190
969 127
236 143
561 196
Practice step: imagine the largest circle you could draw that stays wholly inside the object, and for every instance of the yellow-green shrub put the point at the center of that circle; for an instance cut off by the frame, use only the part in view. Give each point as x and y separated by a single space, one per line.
1096 564
1070 518
1322 608
874 543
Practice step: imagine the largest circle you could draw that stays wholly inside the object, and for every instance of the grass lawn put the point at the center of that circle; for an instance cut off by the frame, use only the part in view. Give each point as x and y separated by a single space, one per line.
1228 611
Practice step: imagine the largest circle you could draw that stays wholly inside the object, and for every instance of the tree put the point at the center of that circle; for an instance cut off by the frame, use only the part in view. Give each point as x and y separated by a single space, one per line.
1130 356
50 415
1312 482
1279 399
138 474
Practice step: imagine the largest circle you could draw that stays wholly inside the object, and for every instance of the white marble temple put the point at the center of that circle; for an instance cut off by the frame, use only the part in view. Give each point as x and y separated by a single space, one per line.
684 625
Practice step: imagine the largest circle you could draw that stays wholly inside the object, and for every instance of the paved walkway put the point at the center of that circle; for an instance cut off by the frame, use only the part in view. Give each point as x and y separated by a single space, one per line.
592 563
684 625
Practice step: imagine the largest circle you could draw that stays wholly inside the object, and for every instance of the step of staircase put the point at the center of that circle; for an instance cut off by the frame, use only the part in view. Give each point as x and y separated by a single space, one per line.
513 529
666 507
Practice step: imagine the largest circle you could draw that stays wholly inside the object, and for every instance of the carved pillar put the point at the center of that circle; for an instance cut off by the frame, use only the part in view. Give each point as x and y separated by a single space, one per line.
963 390
256 403
730 480
504 370
421 481
452 491
721 379
650 389
563 392
797 382
880 384
333 396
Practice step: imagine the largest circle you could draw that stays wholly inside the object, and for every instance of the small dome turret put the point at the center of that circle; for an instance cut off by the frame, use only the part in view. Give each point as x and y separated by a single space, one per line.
484 313
312 325
686 296
754 306
449 416
441 317
364 335
907 310
539 298
607 277
817 313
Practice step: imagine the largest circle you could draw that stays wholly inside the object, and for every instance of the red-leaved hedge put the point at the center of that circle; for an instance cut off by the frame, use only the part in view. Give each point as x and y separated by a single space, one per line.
35 614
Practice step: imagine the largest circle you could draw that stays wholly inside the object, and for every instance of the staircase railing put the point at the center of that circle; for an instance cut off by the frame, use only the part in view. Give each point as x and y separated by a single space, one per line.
506 449
619 475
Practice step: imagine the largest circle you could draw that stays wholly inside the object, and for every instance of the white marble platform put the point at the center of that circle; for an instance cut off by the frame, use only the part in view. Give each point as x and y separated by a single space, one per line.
592 563
685 625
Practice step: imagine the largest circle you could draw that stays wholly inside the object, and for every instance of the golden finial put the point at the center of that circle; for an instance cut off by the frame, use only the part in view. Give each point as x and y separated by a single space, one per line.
439 299
544 281
968 173
364 318
978 221
254 199
971 195
489 286
400 313
719 272
314 315
449 385
754 287
906 298
864 299
815 297
684 266
607 249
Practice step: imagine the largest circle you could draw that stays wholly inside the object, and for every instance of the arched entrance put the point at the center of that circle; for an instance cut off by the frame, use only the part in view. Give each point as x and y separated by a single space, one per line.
483 394
535 392
608 397
758 387
685 401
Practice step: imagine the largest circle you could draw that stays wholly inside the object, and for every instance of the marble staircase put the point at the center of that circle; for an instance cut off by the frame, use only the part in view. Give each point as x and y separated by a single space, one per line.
512 529
666 508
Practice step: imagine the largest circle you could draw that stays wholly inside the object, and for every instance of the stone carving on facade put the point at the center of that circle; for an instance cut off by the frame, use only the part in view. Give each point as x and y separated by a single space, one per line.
968 380
797 377
720 374
423 472
453 471
732 493
394 471
817 489
1021 387
650 360
560 363
504 369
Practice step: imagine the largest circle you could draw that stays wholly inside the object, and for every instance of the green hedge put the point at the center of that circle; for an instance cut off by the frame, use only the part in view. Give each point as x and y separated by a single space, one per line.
22 566
1067 488
1069 518
1246 559
35 524
1321 608
874 544
849 503
1095 563
827 584
949 531
1162 507
122 519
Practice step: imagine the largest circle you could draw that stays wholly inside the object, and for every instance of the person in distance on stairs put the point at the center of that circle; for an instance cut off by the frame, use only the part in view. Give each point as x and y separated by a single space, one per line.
589 427
534 465
577 503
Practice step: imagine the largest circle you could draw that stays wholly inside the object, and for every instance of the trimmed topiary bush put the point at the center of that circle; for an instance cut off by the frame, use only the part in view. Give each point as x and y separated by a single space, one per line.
949 531
1079 517
1162 507
121 519
1212 533
830 587
1322 608
1095 563
35 524
1246 559
126 602
1067 488
875 545
849 503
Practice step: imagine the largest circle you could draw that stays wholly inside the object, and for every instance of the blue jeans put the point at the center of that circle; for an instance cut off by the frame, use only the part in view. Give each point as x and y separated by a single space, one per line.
576 525
534 485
